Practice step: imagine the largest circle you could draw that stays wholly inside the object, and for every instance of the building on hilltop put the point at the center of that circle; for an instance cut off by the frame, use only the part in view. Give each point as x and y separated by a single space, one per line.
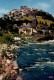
23 7
30 28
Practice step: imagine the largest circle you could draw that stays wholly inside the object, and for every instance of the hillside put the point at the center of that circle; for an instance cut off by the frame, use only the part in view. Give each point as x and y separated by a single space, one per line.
41 21
25 14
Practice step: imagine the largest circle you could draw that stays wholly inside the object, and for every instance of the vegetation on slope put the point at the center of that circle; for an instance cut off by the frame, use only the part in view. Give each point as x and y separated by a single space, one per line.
41 22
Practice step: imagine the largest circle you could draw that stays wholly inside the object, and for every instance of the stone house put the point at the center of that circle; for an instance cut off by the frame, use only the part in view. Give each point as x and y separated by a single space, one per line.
27 30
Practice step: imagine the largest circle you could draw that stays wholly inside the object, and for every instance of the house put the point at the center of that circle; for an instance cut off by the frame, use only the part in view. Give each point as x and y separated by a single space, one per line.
24 24
27 30
23 7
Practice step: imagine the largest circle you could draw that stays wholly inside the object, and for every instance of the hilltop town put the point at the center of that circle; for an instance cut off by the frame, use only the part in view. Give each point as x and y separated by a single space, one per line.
17 14
26 21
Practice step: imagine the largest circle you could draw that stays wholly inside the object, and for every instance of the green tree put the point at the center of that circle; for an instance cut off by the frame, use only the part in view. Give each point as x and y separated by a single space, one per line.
9 27
45 23
1 34
40 22
8 38
51 26
47 33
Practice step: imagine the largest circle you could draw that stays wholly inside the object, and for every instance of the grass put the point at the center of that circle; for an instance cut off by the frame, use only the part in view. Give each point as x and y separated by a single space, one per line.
39 18
27 18
6 38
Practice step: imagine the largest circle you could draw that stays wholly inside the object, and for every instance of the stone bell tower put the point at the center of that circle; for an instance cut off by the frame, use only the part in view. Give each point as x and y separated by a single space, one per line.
34 22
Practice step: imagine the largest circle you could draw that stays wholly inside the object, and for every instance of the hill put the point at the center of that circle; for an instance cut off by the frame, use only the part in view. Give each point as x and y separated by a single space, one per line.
41 22
25 14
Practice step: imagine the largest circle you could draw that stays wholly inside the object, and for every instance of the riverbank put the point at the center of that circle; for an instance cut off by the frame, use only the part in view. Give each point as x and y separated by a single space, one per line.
9 69
42 37
8 61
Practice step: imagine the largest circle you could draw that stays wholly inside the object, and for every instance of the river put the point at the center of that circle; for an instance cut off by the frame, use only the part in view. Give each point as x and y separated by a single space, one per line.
37 61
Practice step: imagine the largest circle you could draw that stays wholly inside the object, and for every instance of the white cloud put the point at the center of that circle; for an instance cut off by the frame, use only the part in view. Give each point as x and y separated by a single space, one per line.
52 0
3 11
43 6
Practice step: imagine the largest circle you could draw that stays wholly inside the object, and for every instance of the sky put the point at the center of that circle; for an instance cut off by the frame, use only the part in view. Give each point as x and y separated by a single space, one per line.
8 5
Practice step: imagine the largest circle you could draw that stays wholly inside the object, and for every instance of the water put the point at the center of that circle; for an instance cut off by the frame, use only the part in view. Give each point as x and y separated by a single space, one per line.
37 61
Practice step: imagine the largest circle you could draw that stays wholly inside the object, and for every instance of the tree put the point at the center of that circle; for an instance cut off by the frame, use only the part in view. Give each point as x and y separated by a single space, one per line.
1 33
51 26
47 33
15 30
9 27
8 38
40 22
45 23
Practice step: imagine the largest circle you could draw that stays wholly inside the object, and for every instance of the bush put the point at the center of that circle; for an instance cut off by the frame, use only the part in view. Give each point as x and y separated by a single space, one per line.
7 38
23 38
7 77
17 34
46 33
3 53
51 26
14 51
1 33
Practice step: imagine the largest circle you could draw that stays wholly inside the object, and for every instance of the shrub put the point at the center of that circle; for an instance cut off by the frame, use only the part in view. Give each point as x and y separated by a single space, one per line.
17 34
8 38
3 53
46 33
14 51
1 33
23 38
7 77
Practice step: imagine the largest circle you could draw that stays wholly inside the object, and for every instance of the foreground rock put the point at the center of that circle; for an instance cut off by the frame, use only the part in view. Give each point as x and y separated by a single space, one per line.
9 69
19 78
